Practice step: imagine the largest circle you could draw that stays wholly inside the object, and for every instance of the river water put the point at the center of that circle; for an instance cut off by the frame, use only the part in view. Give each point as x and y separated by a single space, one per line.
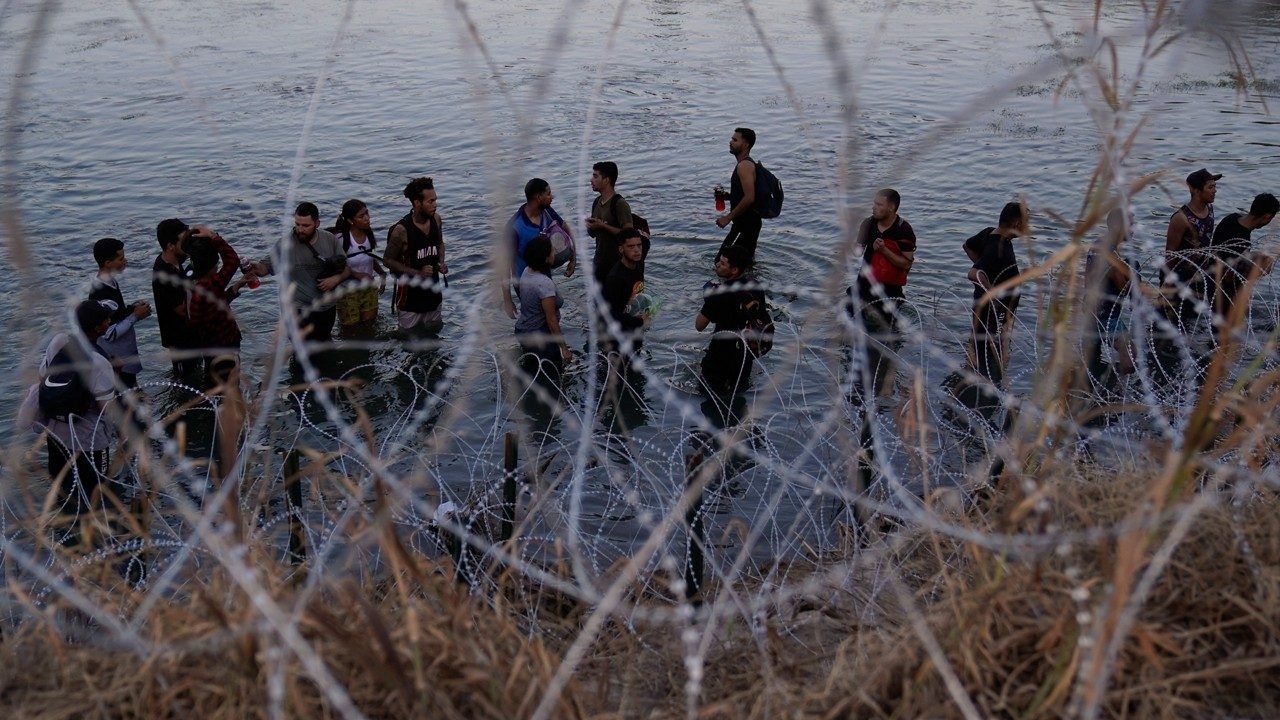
210 112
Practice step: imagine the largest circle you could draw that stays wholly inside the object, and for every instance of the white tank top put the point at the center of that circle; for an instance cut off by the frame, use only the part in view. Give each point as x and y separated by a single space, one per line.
362 262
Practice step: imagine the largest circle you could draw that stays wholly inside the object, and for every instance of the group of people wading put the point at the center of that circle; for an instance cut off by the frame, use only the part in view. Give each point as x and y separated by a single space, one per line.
338 275
1205 276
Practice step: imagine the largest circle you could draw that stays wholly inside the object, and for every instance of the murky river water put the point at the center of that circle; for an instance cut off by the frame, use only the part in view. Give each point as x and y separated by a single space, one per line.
202 112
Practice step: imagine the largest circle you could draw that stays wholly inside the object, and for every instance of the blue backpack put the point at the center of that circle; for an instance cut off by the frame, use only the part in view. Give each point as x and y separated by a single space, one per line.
768 202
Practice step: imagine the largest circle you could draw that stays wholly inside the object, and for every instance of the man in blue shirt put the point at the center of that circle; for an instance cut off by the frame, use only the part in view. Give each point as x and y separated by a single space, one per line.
535 217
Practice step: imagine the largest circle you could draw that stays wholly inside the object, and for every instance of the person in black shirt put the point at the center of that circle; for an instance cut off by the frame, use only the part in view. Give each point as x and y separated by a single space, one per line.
168 276
415 251
888 251
727 365
624 282
622 286
743 216
994 262
888 247
1232 247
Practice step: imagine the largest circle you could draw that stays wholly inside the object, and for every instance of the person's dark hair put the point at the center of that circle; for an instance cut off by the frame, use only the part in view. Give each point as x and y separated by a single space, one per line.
892 196
308 209
534 188
106 249
1264 204
747 134
607 169
89 316
537 253
204 258
627 234
1012 215
736 257
413 191
169 232
342 226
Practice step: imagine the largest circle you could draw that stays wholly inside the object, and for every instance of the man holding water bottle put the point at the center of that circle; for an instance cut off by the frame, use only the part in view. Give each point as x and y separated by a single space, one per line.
744 221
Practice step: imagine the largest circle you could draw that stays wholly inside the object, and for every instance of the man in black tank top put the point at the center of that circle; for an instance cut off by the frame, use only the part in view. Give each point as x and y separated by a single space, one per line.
742 216
1186 243
415 252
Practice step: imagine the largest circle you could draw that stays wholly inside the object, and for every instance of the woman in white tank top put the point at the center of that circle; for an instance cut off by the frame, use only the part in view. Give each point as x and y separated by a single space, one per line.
358 306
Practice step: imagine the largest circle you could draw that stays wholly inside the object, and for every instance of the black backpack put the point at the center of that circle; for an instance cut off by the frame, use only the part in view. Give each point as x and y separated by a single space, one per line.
768 202
64 391
640 224
758 332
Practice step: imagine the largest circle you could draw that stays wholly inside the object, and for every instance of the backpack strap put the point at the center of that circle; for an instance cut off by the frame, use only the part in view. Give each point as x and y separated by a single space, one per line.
312 247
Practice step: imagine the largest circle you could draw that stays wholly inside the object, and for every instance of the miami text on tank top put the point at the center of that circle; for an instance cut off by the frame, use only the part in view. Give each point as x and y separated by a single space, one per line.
423 251
424 248
1203 227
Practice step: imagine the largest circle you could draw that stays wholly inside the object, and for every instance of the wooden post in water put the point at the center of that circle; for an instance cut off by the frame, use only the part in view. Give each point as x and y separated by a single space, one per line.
510 459
865 474
293 506
694 570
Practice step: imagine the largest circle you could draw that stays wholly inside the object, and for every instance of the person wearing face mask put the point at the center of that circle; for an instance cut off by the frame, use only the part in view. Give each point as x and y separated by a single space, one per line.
317 266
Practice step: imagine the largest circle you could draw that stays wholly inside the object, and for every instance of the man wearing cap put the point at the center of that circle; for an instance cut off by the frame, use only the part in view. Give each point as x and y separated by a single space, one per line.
1187 241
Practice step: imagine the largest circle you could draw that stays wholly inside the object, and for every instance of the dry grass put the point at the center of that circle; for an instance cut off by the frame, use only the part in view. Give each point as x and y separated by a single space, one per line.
1014 630
435 654
1159 599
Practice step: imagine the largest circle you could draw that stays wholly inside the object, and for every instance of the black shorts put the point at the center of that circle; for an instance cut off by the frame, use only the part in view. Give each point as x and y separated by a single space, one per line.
744 233
321 322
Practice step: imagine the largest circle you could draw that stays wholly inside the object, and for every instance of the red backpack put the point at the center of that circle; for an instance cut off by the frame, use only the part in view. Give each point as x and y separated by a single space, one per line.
885 272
